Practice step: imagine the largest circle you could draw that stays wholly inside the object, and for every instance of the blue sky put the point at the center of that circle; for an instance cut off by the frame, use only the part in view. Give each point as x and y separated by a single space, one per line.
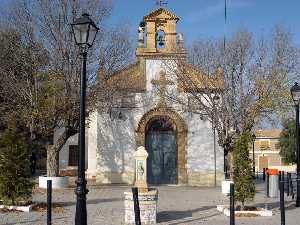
205 18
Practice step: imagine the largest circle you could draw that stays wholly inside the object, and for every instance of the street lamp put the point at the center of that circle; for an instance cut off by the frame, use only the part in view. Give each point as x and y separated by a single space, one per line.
84 31
295 92
253 156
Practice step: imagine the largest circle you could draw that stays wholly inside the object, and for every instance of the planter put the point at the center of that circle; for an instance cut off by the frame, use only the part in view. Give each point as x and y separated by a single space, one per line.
27 208
248 213
57 182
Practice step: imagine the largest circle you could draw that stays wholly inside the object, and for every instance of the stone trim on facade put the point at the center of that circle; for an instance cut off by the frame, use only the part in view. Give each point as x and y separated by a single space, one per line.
181 135
108 177
204 178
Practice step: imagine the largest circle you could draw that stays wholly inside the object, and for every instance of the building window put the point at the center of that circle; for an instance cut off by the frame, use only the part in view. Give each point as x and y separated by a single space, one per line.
73 155
277 146
264 145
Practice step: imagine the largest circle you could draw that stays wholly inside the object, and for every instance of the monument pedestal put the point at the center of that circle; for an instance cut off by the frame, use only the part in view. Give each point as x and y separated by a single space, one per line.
148 207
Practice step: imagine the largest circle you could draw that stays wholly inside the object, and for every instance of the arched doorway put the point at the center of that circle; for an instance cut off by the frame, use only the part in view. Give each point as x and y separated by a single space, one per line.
161 143
178 125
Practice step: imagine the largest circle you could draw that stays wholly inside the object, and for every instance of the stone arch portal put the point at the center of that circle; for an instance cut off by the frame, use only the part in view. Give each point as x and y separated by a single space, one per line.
181 136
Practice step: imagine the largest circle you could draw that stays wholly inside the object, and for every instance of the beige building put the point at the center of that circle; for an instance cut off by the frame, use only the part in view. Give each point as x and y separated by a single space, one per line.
266 149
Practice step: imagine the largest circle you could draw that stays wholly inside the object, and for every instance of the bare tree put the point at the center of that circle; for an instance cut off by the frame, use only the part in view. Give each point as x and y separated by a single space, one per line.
20 62
58 103
237 86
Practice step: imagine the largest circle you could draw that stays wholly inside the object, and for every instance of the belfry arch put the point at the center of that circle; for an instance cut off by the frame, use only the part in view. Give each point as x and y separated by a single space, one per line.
181 136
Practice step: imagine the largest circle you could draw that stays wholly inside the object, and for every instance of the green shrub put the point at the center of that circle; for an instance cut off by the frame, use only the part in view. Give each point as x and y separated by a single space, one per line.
242 172
15 183
287 141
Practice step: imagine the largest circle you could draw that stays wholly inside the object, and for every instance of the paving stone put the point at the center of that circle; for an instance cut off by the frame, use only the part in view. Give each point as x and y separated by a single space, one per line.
176 206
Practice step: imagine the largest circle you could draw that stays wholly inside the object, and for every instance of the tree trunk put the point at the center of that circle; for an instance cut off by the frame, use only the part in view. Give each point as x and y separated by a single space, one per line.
243 206
53 153
52 161
230 163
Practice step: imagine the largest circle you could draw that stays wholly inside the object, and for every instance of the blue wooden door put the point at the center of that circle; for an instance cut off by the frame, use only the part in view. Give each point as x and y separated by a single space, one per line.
161 164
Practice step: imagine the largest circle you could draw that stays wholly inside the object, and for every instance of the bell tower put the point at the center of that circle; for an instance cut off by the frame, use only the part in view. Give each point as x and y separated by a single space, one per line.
158 35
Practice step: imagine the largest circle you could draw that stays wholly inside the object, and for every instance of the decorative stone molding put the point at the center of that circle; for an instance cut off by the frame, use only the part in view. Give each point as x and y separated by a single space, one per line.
148 207
181 136
108 177
204 178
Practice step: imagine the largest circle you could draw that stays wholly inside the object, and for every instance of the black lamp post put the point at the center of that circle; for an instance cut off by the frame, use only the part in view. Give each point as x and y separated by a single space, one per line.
295 92
253 156
84 30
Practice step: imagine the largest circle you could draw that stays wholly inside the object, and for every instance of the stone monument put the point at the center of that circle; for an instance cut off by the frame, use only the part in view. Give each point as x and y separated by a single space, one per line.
147 196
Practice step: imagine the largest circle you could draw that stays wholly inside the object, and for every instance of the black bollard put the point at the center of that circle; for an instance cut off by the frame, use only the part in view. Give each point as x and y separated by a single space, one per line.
49 202
288 183
292 190
283 179
232 216
264 174
282 209
279 178
267 185
135 195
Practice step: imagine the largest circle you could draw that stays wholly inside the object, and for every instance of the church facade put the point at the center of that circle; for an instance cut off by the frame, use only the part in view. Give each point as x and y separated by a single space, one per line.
181 145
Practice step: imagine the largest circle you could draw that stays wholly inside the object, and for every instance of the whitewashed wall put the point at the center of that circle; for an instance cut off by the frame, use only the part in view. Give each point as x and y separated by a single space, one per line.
111 141
64 152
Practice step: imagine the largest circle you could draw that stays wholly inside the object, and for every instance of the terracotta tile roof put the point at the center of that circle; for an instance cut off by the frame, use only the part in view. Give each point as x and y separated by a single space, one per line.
193 80
274 133
129 79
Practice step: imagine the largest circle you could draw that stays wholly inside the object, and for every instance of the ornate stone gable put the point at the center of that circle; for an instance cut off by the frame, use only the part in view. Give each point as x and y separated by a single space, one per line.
161 13
162 38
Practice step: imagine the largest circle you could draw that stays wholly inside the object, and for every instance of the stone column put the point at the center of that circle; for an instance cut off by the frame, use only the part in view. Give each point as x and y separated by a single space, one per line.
141 156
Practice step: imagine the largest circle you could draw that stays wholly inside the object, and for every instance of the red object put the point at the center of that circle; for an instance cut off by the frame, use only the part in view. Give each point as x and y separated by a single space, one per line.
273 171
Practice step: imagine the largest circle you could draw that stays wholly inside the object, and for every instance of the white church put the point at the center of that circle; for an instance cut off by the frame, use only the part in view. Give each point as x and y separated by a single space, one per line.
181 146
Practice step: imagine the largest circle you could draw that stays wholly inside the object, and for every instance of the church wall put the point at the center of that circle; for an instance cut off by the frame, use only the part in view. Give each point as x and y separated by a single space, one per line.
200 153
64 152
92 146
115 148
112 140
115 143
115 138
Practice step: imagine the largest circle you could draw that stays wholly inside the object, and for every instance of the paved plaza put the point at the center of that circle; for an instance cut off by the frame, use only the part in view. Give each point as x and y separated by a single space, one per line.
177 205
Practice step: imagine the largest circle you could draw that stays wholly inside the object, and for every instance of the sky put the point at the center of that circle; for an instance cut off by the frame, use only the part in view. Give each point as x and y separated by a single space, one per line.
205 18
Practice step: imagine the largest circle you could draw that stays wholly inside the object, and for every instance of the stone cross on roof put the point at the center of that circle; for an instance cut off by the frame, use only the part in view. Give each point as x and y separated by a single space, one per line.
162 82
161 3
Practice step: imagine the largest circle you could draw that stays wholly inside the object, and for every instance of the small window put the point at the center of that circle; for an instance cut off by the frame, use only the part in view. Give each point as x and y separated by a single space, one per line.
264 144
73 155
277 146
